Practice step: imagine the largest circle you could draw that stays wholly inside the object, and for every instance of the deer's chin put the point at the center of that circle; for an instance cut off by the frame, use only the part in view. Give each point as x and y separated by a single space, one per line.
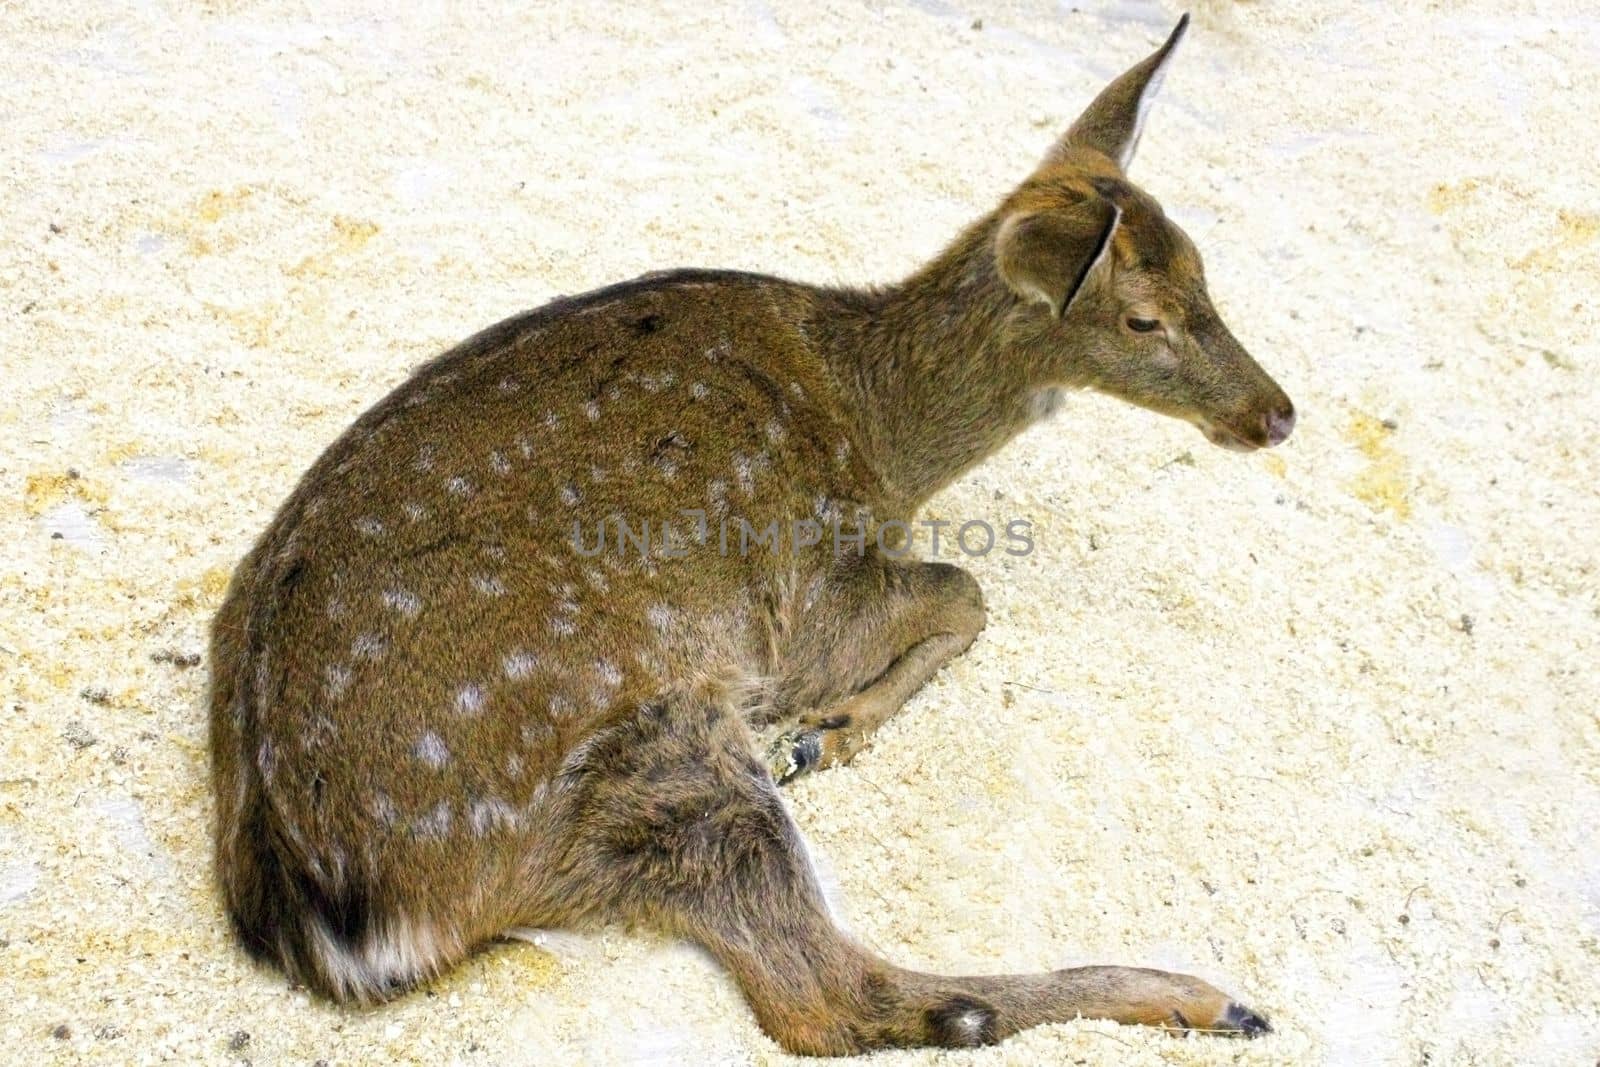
1223 437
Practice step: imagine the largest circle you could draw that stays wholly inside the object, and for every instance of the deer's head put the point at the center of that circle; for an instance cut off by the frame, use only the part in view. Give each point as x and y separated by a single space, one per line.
1120 286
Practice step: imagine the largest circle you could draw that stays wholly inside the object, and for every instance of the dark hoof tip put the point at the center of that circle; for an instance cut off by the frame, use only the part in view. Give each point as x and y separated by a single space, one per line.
1248 1023
807 751
795 754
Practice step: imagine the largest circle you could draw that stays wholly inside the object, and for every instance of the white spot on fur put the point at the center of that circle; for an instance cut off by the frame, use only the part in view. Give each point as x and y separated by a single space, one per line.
489 585
591 411
775 431
489 814
518 665
368 646
368 526
335 608
383 809
427 455
551 420
499 463
335 680
414 511
841 452
698 390
509 385
430 749
318 730
570 495
744 474
561 706
660 617
435 824
459 486
597 579
469 699
403 601
562 627
610 676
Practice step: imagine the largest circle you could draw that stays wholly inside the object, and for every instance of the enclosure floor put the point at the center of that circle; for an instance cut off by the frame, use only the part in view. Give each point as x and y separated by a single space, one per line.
1317 724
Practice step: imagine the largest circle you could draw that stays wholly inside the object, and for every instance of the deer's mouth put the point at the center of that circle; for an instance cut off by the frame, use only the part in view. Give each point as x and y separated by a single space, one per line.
1224 437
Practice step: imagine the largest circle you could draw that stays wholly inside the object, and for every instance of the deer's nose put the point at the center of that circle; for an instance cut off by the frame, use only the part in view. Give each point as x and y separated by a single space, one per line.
1280 424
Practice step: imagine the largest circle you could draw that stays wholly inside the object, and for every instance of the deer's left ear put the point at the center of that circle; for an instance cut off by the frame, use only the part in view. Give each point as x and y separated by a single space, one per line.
1112 124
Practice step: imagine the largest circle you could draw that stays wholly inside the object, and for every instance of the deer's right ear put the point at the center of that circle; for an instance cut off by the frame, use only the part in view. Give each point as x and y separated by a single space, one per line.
1050 255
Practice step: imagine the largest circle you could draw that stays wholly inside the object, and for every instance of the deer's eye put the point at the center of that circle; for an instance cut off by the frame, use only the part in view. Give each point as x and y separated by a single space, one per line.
1143 325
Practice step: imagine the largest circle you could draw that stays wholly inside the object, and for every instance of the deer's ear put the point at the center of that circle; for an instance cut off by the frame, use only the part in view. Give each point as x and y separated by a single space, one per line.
1112 124
1050 255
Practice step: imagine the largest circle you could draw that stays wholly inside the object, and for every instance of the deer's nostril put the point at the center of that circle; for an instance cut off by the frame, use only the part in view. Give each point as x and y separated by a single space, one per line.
1280 424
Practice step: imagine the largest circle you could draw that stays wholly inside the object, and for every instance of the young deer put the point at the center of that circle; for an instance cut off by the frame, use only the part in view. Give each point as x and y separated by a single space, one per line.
438 716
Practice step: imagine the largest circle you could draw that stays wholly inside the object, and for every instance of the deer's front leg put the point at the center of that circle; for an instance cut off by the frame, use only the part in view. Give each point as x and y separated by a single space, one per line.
890 625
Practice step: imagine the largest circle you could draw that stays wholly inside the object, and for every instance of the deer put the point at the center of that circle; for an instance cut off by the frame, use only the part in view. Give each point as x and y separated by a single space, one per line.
438 717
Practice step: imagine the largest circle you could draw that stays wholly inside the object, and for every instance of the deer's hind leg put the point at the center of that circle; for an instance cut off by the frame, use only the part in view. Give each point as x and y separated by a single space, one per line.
677 827
884 629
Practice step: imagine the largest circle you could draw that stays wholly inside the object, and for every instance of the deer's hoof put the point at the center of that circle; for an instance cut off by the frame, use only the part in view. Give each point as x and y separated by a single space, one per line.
1234 1020
1245 1022
793 754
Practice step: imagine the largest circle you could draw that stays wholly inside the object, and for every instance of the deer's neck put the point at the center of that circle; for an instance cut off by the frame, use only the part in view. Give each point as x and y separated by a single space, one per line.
933 383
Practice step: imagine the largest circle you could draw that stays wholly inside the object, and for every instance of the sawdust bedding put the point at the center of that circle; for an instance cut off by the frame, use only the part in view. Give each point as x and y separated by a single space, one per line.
1319 725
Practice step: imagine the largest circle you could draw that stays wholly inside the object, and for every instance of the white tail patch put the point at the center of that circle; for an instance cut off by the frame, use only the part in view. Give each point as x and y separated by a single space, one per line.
398 953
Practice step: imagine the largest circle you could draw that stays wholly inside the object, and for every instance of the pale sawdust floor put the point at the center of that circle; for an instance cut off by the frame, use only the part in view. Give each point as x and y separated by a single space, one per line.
1319 725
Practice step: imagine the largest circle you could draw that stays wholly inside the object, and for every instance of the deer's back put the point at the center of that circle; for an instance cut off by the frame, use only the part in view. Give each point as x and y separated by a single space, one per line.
415 645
